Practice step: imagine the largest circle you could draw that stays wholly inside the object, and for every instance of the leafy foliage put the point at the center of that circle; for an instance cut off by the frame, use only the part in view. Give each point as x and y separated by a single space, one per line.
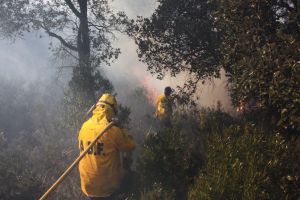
157 193
179 37
260 51
245 162
214 120
168 159
83 28
17 181
255 42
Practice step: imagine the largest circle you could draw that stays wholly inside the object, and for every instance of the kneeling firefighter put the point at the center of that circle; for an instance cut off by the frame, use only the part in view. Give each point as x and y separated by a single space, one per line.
100 170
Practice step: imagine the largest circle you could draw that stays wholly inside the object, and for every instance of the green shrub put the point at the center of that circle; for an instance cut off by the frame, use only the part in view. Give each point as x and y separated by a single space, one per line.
17 181
167 159
245 162
157 192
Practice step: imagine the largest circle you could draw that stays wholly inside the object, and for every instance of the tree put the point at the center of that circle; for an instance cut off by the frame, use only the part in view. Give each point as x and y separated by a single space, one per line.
260 47
180 36
255 42
247 162
83 27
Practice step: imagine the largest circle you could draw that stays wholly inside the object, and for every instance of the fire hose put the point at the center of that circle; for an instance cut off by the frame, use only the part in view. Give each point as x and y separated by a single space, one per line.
61 178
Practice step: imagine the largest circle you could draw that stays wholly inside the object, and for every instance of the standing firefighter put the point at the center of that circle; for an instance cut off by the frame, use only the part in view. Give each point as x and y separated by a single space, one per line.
164 105
101 170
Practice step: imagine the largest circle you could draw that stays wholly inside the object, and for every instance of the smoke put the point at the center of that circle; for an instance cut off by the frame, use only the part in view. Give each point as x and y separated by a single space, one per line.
30 59
27 58
135 8
28 63
127 73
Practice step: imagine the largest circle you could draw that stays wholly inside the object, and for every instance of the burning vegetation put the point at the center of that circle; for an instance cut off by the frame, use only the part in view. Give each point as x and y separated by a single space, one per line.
196 152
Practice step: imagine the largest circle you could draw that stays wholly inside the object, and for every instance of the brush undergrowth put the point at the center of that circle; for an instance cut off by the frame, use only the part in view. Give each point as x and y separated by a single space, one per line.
246 162
222 158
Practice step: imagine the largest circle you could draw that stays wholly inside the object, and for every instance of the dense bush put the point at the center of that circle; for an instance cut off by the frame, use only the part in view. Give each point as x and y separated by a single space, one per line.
168 159
246 162
17 181
157 192
260 52
36 142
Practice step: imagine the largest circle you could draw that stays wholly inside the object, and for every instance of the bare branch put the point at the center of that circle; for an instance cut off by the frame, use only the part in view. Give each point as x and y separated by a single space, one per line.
63 42
98 26
70 53
72 7
102 28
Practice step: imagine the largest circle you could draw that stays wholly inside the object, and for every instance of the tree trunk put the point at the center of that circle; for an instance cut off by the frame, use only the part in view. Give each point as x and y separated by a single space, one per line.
86 80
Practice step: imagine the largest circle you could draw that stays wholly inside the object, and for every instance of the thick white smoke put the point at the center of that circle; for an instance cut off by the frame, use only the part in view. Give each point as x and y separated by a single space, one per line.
29 59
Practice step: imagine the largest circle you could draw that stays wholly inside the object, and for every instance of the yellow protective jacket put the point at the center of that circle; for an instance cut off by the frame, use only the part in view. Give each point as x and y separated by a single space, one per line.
100 170
163 107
